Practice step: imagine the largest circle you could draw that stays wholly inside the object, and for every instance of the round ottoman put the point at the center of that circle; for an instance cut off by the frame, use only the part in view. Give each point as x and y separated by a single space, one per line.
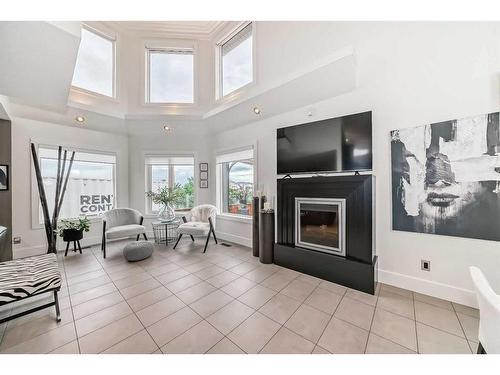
138 250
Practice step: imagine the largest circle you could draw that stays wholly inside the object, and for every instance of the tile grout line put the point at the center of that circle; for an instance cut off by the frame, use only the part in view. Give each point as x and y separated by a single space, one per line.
463 330
373 318
331 318
415 321
71 306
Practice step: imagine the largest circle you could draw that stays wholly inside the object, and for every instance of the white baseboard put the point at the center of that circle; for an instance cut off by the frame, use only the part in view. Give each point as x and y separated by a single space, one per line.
431 288
235 239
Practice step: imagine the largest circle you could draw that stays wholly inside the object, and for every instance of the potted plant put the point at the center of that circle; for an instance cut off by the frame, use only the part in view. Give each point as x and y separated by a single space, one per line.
167 198
72 229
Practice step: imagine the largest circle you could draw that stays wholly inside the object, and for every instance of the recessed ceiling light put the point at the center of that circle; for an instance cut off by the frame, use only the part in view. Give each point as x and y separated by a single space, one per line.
80 119
256 110
167 128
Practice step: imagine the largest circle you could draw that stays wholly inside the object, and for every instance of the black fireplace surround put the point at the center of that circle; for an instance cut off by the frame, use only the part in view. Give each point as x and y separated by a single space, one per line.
357 269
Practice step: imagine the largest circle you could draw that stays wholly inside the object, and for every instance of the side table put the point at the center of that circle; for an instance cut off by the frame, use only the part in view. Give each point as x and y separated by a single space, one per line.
165 232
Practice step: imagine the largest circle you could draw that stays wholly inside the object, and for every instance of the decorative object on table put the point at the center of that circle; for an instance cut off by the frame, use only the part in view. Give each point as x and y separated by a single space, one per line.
27 277
165 232
489 312
203 175
4 177
446 178
203 184
266 236
167 197
255 225
139 250
61 184
71 230
200 223
120 223
203 167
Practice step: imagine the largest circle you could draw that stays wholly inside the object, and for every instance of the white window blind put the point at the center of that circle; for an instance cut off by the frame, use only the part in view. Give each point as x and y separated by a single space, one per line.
168 160
243 154
237 39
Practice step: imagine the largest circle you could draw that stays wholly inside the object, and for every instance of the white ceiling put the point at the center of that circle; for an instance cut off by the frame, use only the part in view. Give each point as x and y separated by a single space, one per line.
185 29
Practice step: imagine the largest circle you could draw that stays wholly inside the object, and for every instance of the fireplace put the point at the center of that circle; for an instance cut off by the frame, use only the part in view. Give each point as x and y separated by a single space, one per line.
320 224
325 229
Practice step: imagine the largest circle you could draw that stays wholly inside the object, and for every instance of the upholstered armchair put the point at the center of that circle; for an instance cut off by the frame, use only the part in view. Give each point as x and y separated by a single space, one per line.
120 223
489 311
201 222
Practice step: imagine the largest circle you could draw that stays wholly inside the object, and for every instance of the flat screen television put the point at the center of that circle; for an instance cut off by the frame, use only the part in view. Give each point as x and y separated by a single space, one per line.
334 145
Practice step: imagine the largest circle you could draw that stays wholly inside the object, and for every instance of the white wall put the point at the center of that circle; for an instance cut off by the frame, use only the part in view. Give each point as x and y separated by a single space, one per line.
23 132
409 74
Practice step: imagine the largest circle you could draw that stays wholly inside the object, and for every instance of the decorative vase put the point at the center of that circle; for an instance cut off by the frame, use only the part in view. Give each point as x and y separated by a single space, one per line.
167 213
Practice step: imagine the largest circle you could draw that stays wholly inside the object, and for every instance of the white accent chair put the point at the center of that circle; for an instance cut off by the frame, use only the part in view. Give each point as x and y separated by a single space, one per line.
201 223
120 223
489 310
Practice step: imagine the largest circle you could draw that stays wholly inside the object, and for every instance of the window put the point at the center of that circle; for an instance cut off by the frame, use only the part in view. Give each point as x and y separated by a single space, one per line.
236 60
235 182
169 171
170 76
95 64
91 184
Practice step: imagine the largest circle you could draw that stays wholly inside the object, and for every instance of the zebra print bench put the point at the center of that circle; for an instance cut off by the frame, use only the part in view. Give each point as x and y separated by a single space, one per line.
27 277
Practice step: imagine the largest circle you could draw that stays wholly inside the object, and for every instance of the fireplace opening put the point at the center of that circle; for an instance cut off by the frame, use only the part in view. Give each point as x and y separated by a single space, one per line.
320 224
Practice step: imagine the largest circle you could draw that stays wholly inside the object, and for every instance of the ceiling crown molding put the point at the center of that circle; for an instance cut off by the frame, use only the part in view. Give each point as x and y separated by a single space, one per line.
174 29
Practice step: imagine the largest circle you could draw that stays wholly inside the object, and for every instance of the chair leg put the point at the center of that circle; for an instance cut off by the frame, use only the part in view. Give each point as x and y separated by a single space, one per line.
138 236
178 239
480 349
144 234
192 238
74 246
206 243
215 238
79 246
104 249
67 248
58 311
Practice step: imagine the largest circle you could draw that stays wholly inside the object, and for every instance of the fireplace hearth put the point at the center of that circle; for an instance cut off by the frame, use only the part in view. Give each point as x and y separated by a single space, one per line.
320 224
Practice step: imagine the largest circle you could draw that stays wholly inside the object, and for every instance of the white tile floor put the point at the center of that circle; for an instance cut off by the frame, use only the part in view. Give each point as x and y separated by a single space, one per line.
225 301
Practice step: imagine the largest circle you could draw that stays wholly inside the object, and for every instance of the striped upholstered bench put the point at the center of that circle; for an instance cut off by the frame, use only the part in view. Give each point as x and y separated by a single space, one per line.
27 277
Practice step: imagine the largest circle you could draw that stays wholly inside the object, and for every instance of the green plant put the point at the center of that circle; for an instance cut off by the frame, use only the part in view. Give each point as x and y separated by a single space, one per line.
167 195
81 223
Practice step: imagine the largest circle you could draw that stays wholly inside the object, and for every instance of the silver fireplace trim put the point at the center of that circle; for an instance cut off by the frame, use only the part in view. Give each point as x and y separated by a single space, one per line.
342 225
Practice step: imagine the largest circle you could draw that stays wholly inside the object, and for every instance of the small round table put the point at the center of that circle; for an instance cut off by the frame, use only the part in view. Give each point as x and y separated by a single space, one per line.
165 231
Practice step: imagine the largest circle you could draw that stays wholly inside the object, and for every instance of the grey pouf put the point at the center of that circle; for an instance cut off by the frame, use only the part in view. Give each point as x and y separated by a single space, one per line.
138 250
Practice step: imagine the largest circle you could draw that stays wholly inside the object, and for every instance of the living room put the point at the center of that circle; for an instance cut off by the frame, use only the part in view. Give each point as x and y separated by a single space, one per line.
213 134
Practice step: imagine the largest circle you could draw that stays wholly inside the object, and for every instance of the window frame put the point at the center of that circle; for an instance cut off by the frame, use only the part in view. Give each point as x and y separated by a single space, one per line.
218 182
219 75
35 197
114 40
149 213
147 75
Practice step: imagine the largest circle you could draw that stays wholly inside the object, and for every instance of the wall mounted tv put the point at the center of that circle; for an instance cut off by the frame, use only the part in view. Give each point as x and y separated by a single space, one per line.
335 145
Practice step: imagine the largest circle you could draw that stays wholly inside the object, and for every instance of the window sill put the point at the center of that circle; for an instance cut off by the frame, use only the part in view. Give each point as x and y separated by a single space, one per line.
235 217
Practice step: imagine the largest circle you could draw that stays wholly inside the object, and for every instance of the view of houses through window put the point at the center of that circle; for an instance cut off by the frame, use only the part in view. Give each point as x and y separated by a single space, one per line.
91 185
171 171
235 182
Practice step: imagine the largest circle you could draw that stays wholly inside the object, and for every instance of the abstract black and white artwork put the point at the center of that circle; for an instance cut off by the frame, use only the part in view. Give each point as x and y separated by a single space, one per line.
446 178
4 177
